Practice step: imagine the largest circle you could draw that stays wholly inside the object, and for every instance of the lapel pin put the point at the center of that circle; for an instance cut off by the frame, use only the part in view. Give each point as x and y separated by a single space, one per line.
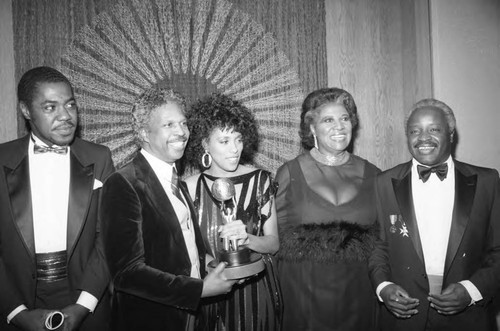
393 219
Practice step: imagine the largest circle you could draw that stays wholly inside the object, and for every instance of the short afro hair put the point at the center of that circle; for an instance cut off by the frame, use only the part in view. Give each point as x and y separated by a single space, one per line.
148 101
28 84
436 104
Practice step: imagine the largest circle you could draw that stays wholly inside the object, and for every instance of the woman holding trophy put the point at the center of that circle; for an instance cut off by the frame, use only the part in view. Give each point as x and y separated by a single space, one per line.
237 215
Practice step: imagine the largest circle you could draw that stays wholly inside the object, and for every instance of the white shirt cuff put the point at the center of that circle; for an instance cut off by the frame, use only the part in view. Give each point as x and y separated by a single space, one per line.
15 312
380 287
88 301
472 290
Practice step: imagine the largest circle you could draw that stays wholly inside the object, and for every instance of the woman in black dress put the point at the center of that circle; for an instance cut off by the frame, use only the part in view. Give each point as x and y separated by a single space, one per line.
326 220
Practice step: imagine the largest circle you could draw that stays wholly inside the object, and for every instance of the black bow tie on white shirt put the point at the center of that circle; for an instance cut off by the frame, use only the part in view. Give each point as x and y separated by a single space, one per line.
440 170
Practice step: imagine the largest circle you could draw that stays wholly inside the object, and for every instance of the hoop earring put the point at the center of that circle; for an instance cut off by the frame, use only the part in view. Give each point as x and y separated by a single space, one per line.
315 141
204 161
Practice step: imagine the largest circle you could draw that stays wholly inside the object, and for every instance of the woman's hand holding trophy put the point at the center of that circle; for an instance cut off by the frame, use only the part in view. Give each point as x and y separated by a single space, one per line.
235 232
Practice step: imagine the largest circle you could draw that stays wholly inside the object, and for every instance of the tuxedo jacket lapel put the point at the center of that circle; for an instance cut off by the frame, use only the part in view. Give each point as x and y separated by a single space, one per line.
403 192
80 193
18 181
465 189
159 199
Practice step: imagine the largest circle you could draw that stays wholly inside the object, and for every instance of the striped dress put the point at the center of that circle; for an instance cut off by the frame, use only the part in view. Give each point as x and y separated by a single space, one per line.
256 304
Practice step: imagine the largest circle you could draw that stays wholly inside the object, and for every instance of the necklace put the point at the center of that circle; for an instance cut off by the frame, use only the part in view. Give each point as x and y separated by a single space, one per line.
330 160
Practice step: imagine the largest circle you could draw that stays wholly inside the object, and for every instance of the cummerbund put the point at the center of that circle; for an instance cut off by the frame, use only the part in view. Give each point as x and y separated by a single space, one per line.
51 267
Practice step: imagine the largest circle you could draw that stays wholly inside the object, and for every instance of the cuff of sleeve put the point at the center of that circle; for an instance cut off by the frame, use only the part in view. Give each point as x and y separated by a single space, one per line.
88 301
379 289
15 312
472 290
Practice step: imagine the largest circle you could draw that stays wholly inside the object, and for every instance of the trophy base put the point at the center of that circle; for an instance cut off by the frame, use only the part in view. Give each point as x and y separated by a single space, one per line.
253 267
235 258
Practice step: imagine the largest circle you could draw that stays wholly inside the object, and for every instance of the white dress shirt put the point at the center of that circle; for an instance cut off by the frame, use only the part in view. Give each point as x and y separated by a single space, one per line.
49 182
163 171
433 204
49 185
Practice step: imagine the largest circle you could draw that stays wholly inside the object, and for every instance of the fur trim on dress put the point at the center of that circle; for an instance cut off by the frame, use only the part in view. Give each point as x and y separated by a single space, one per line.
327 242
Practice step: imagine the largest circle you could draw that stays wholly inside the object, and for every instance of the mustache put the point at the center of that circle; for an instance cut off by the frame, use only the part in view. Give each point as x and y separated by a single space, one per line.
70 123
178 139
425 143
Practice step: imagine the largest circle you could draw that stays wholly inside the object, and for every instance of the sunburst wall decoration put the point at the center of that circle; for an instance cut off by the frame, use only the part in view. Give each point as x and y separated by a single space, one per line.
193 46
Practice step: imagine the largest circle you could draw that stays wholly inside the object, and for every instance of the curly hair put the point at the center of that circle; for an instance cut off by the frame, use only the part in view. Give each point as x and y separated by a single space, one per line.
219 111
148 101
436 104
312 105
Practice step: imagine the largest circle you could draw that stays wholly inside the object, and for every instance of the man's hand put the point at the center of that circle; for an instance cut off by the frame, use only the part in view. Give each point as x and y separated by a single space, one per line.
73 316
397 300
215 283
31 320
452 299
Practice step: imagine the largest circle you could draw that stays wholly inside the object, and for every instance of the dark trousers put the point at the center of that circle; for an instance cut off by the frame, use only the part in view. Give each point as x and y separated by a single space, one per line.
53 295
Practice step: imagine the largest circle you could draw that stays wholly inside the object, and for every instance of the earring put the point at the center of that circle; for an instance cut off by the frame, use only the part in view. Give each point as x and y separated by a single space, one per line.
206 163
315 141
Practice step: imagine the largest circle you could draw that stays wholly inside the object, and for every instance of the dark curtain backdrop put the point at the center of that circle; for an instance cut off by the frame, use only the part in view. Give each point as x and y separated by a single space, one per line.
268 54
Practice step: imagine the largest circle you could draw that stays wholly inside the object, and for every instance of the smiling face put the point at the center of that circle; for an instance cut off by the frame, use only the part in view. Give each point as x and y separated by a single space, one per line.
225 147
167 133
333 129
429 137
52 113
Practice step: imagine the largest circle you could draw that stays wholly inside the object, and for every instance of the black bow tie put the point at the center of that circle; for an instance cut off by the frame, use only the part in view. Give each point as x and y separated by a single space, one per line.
440 170
39 149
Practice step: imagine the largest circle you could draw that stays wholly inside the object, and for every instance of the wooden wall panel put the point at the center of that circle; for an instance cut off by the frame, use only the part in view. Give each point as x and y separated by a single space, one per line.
8 119
372 52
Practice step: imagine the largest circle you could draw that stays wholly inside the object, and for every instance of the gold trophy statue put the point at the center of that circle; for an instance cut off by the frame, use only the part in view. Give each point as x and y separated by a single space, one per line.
241 261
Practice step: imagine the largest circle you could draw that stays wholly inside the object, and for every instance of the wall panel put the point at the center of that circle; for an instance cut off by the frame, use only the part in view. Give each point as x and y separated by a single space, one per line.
378 51
8 119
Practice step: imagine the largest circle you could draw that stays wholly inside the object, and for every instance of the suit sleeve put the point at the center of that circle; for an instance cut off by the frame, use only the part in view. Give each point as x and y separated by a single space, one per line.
96 275
10 298
487 277
123 240
378 262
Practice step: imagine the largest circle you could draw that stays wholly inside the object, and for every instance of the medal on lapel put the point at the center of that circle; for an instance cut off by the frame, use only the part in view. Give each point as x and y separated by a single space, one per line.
393 219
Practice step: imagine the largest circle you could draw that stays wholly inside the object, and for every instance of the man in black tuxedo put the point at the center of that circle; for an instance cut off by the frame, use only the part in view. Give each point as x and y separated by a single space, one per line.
437 264
153 243
51 255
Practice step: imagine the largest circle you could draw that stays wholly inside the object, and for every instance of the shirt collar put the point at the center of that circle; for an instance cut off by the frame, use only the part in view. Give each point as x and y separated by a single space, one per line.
161 168
449 161
35 140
